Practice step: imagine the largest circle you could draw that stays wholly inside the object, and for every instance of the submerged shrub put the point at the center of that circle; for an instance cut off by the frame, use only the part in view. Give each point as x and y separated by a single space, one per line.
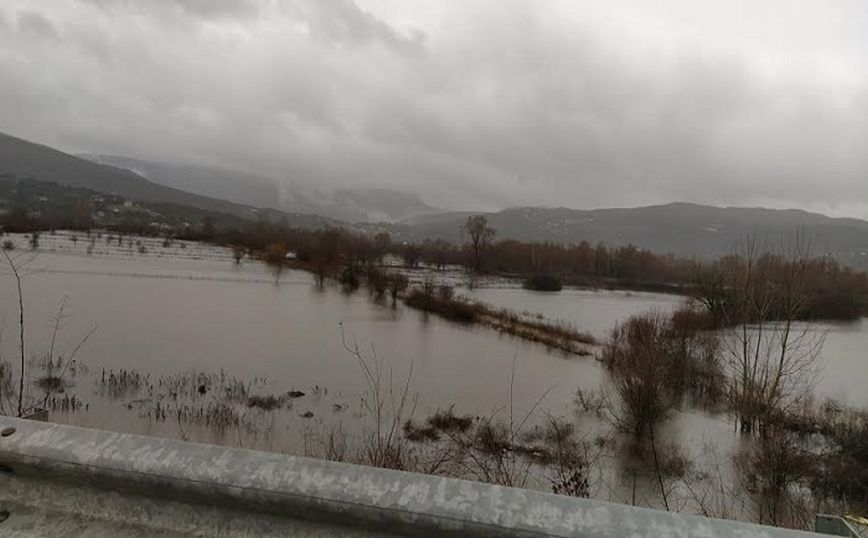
351 277
448 421
641 361
451 309
543 282
420 434
50 383
266 403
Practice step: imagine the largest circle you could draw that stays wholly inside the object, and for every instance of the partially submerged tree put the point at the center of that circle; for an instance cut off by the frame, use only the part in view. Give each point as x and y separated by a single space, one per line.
771 359
238 252
640 357
411 256
384 446
397 285
17 267
656 361
57 365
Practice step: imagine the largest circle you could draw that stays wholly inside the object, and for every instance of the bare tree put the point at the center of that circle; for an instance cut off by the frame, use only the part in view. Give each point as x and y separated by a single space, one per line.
56 365
18 269
238 253
771 359
7 392
642 362
385 446
481 236
397 285
411 256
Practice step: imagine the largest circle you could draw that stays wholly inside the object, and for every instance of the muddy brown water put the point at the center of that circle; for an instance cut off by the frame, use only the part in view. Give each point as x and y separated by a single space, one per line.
166 310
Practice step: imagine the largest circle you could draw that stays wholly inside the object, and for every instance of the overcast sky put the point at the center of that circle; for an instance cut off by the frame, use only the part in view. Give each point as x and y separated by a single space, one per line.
474 103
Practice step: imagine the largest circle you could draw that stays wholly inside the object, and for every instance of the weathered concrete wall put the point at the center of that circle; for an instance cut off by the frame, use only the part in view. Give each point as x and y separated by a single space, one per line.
59 480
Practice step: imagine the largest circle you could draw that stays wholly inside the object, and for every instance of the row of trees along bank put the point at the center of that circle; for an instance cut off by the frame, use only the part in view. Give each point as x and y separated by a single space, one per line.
832 291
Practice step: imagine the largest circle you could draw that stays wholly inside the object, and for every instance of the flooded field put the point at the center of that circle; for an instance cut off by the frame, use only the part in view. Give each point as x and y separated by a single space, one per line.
171 310
843 363
186 343
593 311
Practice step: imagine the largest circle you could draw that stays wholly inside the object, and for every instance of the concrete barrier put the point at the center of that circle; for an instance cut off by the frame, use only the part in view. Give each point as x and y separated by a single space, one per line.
57 479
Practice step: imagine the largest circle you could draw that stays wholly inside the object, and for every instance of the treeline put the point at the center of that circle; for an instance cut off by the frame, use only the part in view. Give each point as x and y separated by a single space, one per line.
832 291
751 287
826 289
582 264
575 265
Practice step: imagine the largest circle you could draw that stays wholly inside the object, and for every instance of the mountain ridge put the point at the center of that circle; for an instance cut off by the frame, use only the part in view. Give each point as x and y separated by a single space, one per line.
26 159
680 228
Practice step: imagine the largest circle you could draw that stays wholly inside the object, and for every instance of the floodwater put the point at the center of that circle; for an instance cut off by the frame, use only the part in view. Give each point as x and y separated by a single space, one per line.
165 310
173 310
596 312
843 374
843 364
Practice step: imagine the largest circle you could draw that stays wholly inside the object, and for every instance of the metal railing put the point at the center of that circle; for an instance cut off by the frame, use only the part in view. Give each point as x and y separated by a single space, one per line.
59 478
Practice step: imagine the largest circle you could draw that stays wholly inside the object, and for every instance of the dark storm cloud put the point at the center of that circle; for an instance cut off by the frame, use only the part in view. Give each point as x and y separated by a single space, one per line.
479 103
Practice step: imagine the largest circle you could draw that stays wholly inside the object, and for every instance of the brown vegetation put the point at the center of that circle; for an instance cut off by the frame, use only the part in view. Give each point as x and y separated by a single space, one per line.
771 360
800 458
440 301
506 452
835 292
656 361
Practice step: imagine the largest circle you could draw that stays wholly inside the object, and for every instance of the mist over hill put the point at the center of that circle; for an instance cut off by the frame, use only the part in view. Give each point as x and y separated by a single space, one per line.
28 160
348 204
231 185
682 229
